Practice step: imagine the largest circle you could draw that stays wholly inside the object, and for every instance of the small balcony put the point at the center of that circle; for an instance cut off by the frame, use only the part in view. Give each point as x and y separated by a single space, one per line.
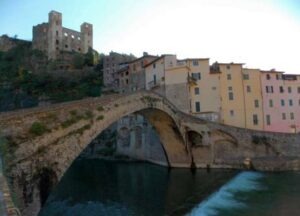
192 80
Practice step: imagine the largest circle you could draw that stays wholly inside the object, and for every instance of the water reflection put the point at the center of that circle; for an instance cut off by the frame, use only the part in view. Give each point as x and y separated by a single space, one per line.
97 187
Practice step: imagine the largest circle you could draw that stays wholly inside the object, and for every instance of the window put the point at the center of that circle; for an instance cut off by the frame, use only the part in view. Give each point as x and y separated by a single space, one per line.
270 103
228 67
256 103
269 89
290 102
268 118
57 23
283 116
289 89
127 73
154 65
281 89
248 88
292 116
246 76
126 81
230 95
228 76
154 79
230 88
197 91
66 46
277 76
134 67
231 113
268 76
298 89
197 105
79 49
282 102
214 88
255 119
196 76
195 63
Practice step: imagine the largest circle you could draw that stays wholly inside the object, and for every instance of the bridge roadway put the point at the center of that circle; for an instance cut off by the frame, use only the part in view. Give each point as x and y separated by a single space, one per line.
187 140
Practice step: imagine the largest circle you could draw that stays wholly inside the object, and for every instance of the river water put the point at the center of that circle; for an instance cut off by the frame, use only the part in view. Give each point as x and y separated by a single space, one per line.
96 187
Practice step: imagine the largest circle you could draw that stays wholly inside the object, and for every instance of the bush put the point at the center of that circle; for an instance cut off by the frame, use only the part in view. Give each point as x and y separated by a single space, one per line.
38 128
100 108
101 117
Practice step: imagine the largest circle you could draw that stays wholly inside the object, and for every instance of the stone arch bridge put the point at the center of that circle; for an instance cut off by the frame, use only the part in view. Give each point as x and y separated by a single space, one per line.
41 143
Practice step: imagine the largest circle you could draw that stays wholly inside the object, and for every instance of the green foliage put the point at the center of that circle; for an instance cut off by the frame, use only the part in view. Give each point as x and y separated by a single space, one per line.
38 128
73 112
101 117
81 130
74 119
22 84
3 146
78 61
89 58
89 114
100 108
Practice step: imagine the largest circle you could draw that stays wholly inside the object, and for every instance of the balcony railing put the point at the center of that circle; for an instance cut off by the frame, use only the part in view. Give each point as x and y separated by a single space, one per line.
192 80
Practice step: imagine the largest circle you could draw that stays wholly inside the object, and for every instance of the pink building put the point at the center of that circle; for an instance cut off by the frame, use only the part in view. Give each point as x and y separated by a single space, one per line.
281 101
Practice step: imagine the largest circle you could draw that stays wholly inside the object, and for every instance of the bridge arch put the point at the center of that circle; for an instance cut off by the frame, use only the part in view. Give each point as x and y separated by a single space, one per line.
60 146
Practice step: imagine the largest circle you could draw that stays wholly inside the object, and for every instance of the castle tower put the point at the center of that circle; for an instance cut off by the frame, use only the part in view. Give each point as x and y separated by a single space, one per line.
87 36
54 34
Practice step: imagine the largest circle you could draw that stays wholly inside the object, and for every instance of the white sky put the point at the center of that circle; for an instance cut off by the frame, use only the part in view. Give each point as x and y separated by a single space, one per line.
261 33
258 33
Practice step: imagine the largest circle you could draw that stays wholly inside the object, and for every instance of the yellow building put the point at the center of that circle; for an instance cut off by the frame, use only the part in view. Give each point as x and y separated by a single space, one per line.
253 99
232 95
203 89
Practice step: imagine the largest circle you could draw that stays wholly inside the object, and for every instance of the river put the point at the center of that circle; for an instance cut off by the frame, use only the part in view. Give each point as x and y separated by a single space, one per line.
93 187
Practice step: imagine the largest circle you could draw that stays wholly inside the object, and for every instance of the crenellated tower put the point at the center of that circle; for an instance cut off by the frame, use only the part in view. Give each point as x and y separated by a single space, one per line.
54 34
86 30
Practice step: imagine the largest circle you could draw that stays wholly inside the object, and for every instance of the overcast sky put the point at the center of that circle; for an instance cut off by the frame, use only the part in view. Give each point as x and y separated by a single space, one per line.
261 33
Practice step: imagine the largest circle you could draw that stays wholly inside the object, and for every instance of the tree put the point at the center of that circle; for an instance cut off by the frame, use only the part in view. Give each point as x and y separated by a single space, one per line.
78 61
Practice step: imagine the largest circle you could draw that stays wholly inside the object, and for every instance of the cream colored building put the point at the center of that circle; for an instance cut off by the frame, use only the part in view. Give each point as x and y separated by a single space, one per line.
254 116
232 95
187 83
203 89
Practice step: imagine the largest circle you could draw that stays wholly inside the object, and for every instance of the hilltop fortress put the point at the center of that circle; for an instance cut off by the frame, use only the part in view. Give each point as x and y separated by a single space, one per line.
53 38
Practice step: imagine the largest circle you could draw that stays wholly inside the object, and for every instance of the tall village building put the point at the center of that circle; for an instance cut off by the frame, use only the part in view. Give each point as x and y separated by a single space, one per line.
226 93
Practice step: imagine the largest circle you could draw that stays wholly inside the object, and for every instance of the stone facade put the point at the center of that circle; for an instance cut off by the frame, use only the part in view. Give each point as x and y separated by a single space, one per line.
111 64
132 77
53 38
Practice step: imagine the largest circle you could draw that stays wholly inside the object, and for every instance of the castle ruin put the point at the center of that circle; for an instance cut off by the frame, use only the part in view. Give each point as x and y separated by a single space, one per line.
53 38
